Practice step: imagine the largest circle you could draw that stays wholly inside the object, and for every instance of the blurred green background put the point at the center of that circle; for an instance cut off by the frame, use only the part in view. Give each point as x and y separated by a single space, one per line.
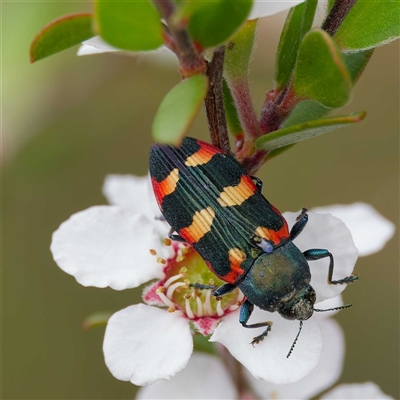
69 121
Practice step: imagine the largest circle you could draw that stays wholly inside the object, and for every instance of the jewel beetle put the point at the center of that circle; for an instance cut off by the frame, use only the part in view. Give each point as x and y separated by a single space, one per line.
211 203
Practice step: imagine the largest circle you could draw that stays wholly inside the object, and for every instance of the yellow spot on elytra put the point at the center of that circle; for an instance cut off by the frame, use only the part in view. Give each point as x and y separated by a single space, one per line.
236 257
237 254
236 195
202 156
201 224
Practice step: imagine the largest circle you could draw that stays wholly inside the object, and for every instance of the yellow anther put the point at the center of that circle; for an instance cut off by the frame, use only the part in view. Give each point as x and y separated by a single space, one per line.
153 252
167 241
161 260
183 270
160 290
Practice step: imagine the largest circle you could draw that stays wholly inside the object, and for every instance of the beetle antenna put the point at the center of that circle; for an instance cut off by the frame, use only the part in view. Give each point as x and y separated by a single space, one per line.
334 309
295 340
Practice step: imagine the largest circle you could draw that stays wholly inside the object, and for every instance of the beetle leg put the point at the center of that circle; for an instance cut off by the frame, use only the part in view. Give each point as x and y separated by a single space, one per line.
224 289
317 254
302 220
175 237
258 182
221 291
245 312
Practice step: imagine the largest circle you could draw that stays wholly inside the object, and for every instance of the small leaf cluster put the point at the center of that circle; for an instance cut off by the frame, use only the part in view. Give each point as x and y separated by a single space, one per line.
316 68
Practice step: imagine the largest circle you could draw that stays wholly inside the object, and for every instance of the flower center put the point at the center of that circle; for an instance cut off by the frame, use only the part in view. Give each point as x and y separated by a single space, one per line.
185 272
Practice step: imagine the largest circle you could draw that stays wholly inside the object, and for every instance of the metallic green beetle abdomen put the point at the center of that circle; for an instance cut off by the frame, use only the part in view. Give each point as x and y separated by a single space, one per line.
276 277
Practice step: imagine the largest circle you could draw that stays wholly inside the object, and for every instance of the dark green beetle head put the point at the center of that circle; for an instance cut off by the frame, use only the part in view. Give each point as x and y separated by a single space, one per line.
301 306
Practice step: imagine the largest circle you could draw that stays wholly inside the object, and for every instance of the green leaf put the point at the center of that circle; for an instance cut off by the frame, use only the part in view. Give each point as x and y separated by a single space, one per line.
307 110
215 22
96 319
370 23
356 63
232 117
178 109
320 72
238 53
307 130
61 34
297 24
127 25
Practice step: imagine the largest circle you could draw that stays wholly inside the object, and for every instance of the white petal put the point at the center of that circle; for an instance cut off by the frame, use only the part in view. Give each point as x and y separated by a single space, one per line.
205 377
95 45
370 229
367 390
264 8
135 193
324 231
323 376
107 246
267 360
144 343
128 191
161 56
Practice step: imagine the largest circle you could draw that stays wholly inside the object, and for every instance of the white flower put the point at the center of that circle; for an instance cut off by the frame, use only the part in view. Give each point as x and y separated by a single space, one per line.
261 9
187 384
357 391
206 377
109 246
370 229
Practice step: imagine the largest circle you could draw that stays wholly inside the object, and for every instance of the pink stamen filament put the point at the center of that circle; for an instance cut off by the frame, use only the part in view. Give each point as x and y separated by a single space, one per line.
189 311
207 303
172 279
199 307
174 286
220 311
172 309
164 298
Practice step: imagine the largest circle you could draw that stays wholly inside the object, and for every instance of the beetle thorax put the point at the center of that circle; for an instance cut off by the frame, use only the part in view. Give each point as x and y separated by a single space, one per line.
276 279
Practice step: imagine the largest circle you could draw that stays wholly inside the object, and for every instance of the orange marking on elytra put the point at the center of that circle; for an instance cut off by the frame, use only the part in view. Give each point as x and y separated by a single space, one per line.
201 156
236 195
166 186
201 224
274 236
230 277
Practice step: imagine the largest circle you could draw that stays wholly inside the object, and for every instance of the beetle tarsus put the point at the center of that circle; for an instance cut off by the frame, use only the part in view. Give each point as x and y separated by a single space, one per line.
302 213
348 279
298 227
317 254
201 286
260 338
